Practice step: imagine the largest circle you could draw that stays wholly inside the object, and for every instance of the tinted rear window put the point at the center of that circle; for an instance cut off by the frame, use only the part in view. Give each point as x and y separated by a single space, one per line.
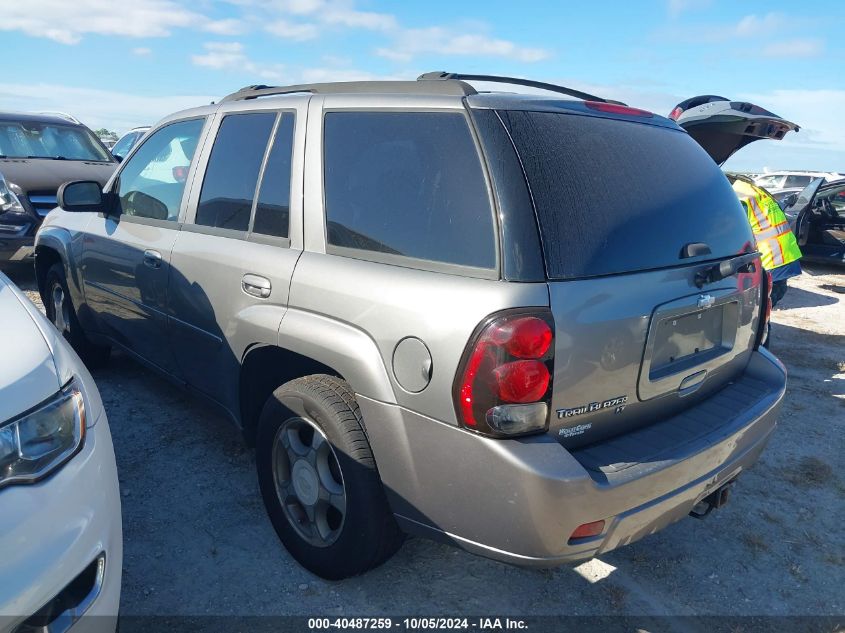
614 196
407 183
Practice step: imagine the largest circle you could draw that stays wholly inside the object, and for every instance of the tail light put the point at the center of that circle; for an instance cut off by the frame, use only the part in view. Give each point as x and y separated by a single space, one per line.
765 310
503 386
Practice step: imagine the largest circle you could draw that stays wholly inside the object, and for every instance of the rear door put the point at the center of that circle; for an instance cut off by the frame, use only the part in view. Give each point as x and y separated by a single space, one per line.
234 258
722 127
630 214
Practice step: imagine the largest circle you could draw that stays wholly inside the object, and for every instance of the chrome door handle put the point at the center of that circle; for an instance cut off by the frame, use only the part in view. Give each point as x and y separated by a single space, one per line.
256 286
152 259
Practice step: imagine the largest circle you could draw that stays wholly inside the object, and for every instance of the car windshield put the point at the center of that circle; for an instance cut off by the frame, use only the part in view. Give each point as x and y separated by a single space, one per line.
20 139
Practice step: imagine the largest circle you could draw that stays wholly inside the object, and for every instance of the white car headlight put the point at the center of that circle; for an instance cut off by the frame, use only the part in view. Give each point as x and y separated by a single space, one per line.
38 442
8 200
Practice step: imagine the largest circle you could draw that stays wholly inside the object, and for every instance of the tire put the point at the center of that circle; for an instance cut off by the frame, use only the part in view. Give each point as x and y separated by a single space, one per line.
60 311
311 450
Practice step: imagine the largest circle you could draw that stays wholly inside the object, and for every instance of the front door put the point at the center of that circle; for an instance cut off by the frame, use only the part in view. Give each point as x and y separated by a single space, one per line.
232 264
126 254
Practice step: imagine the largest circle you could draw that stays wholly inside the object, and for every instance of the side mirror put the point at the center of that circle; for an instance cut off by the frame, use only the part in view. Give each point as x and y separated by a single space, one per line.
81 195
790 200
118 158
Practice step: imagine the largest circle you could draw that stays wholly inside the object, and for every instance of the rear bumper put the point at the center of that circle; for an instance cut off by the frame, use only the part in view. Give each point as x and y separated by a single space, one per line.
519 500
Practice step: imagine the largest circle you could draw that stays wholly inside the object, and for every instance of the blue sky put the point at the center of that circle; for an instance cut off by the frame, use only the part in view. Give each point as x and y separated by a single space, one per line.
121 64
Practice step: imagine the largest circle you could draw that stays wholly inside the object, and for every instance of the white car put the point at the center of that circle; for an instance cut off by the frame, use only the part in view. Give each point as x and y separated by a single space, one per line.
775 180
125 143
61 548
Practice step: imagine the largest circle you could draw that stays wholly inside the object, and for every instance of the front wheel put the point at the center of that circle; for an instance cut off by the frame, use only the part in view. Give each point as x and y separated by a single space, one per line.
59 309
319 481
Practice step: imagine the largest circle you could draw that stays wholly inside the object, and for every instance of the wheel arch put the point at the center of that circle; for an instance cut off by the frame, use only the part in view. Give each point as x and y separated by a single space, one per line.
310 344
52 246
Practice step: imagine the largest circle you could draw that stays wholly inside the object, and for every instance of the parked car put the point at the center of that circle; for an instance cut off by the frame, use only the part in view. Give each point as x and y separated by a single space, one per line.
437 315
817 216
60 525
39 152
125 143
791 179
785 197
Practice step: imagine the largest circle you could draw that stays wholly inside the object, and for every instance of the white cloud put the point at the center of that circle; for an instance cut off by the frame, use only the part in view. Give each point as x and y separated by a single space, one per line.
298 32
339 12
142 51
770 30
799 47
320 75
232 56
67 22
301 7
410 43
225 27
97 108
405 43
676 7
358 19
752 25
221 55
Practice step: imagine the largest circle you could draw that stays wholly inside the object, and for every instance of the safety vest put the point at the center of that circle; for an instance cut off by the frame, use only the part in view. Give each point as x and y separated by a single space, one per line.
775 240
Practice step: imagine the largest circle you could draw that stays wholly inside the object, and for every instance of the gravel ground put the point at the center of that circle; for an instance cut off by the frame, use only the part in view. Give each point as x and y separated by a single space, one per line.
197 540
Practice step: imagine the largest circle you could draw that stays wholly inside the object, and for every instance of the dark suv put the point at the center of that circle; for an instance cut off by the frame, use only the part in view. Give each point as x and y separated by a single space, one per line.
39 152
525 325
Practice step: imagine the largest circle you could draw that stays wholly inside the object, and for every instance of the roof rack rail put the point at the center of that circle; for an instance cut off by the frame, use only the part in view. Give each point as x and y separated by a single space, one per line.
62 115
442 75
453 88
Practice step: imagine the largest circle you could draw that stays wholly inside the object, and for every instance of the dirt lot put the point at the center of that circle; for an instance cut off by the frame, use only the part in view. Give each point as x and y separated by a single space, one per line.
198 541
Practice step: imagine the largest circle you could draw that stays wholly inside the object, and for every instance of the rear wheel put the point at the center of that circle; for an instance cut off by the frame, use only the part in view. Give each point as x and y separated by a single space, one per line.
319 481
60 310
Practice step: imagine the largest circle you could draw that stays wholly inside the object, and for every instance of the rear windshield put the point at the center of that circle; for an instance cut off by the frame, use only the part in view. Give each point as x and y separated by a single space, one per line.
614 196
50 140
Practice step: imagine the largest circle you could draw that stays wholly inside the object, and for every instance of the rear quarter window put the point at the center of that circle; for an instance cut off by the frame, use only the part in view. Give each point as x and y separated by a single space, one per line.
616 196
407 184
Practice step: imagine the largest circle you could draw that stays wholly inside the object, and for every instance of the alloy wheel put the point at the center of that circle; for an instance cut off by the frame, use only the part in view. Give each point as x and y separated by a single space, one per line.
309 482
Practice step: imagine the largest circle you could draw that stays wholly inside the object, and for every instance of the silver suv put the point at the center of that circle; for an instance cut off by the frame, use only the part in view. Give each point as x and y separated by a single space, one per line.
522 324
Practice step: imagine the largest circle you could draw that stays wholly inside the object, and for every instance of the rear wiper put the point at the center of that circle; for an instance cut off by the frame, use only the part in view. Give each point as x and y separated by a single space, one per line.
725 269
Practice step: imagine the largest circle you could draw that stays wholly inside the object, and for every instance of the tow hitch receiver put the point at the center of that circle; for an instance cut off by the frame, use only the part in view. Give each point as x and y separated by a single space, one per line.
715 499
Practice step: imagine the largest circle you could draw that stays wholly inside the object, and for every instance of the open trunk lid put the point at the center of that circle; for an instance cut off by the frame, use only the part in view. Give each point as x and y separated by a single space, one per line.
723 127
635 221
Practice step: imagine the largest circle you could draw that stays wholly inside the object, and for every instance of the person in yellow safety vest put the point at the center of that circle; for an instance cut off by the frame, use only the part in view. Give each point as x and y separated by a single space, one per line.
775 240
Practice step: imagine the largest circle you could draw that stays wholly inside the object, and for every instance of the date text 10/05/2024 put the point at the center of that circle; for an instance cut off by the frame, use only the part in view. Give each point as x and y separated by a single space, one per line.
417 624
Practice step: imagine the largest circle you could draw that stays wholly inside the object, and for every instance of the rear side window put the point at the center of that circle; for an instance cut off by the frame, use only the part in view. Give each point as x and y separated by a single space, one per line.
272 212
407 183
614 196
228 189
